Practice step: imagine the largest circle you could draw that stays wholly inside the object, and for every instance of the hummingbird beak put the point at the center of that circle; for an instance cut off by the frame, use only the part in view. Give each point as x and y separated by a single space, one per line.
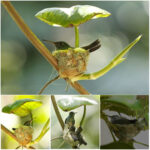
49 41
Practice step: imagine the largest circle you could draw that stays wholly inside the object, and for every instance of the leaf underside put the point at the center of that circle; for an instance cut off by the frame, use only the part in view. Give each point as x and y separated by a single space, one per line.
22 107
69 17
67 103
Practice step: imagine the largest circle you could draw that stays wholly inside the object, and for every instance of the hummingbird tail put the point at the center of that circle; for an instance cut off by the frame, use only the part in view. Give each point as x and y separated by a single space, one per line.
93 46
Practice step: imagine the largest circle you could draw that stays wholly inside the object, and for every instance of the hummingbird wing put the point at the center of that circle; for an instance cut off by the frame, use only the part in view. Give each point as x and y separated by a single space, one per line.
93 46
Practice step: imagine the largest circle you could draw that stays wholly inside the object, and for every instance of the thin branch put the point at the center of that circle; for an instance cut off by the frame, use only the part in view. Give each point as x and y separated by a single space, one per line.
37 43
140 143
9 132
108 124
60 137
84 113
57 111
43 132
48 83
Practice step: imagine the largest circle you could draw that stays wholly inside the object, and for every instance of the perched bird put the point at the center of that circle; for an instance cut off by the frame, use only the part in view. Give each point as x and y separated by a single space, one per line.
61 45
125 129
70 120
115 119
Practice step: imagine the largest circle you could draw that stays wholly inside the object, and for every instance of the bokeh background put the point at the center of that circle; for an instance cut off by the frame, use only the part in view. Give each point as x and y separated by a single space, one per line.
24 70
90 125
40 116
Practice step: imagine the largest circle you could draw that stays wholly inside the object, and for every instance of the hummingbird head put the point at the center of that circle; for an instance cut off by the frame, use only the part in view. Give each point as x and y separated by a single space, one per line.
72 114
60 45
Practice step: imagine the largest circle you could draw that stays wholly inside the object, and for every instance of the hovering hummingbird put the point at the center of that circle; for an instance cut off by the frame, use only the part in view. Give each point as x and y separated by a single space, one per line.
61 45
125 129
70 121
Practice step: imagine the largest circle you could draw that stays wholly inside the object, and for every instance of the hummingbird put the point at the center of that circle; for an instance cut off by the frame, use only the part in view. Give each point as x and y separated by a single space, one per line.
70 120
115 119
61 45
125 129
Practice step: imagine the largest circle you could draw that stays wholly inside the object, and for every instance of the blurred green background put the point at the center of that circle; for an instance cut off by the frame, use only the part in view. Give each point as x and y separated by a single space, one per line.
24 70
40 116
90 125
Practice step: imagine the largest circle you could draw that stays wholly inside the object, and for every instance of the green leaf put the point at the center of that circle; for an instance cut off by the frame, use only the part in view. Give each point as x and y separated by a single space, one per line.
120 104
69 17
67 103
128 105
22 107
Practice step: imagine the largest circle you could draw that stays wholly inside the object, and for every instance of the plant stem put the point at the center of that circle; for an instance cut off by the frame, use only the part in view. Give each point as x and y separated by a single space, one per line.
116 61
104 117
43 132
83 117
37 43
9 133
57 138
57 112
47 83
140 143
76 36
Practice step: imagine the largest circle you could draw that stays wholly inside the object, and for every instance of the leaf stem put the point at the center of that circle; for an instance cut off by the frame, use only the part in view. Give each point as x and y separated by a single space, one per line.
83 117
57 111
43 132
37 43
76 36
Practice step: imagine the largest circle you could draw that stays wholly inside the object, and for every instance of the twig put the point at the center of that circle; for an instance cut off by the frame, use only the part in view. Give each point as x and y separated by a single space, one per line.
9 133
140 143
84 113
107 122
37 43
57 111
47 83
57 138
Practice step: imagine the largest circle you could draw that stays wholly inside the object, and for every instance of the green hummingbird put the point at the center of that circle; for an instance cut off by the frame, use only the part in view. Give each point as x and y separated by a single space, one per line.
126 129
70 120
61 45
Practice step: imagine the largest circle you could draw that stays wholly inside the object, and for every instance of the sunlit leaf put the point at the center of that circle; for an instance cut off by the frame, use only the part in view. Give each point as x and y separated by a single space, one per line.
22 107
73 16
67 103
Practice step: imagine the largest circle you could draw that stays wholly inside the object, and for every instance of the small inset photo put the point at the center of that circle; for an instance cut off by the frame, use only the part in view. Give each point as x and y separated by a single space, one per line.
75 122
25 122
124 122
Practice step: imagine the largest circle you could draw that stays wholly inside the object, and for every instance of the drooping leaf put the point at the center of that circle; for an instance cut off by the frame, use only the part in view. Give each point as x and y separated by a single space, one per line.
22 107
73 16
67 103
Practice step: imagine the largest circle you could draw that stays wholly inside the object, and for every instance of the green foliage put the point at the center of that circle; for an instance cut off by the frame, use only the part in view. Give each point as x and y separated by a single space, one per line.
69 17
128 105
68 103
22 107
118 145
136 106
